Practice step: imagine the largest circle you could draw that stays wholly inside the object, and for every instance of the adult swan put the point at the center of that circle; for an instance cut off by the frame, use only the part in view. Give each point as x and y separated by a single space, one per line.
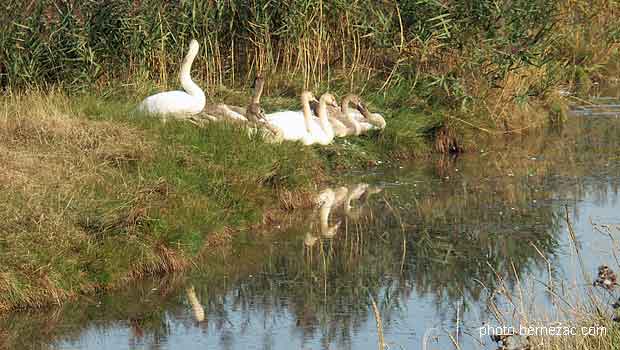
188 102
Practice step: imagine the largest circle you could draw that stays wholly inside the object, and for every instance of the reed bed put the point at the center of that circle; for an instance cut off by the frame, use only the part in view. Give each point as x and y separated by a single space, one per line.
478 58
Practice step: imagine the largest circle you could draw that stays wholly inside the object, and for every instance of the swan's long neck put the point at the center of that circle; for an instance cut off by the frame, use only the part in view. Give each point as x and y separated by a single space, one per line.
305 105
357 128
329 197
186 80
344 105
374 118
324 121
258 91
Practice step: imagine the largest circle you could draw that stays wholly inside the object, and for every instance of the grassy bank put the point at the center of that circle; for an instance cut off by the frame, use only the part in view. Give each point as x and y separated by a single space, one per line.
94 198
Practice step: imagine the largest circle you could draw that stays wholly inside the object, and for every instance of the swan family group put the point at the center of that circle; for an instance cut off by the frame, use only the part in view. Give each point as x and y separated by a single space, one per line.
319 121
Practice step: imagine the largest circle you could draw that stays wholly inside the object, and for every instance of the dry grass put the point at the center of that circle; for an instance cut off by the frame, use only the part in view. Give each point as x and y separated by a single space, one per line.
50 160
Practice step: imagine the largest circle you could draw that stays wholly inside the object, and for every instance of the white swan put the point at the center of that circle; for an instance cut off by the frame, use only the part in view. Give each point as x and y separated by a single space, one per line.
346 121
292 123
188 102
302 126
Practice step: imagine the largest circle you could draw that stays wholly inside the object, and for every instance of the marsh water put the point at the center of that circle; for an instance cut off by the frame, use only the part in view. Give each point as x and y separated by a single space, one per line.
442 247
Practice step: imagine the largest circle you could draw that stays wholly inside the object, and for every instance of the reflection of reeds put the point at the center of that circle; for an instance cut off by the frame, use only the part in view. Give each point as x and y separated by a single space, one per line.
569 309
377 314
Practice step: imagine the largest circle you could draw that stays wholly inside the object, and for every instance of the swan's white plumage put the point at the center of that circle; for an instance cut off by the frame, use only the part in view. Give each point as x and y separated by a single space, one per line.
171 102
188 102
290 123
302 126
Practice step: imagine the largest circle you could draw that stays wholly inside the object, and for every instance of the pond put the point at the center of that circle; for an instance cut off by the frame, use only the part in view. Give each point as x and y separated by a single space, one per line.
442 248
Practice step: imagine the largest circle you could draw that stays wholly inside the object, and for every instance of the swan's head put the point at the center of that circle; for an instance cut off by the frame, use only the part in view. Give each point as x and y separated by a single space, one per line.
375 118
258 82
329 100
353 98
193 47
308 96
379 120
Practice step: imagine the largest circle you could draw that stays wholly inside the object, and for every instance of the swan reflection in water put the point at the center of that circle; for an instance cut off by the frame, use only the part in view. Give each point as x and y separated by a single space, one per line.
197 310
351 200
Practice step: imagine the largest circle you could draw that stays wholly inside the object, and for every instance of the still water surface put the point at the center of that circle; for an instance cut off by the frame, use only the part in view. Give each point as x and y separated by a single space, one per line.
443 247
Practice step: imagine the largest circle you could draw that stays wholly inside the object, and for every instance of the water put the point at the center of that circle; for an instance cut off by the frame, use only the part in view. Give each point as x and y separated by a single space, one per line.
443 247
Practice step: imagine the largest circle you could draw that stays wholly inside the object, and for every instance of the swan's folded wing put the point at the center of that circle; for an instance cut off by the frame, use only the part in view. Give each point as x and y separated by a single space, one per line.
290 123
171 102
